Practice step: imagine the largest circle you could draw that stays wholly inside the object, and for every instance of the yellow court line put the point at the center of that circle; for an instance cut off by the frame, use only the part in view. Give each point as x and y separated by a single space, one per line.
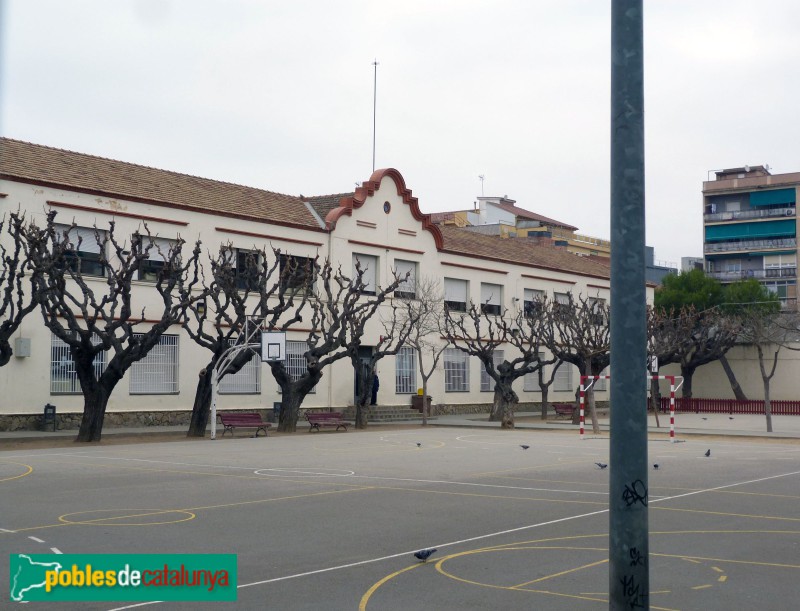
546 577
10 462
703 587
723 578
368 594
491 496
723 513
717 569
88 522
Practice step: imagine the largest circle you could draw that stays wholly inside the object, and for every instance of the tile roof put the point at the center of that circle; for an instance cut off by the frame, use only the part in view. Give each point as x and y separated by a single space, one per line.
322 204
520 251
531 215
51 166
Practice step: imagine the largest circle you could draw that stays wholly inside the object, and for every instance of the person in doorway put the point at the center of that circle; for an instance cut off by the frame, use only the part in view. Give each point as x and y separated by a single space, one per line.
375 385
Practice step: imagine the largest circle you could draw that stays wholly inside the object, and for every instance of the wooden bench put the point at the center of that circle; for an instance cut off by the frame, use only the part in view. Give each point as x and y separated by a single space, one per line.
250 420
564 410
316 420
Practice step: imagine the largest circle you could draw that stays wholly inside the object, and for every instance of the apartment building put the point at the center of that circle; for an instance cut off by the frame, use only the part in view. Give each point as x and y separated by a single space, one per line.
750 229
380 225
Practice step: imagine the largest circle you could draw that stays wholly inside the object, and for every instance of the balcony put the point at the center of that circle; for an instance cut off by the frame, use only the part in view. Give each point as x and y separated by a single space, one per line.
758 274
742 215
745 245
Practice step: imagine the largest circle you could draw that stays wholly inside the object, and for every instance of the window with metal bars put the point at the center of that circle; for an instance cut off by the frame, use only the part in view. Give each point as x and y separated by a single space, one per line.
456 371
487 383
157 373
296 361
405 374
63 379
246 381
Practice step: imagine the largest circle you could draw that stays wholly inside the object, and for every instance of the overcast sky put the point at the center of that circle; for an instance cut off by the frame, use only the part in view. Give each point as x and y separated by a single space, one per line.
279 95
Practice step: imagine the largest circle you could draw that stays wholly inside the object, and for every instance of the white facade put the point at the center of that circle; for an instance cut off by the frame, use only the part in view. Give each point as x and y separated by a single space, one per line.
381 224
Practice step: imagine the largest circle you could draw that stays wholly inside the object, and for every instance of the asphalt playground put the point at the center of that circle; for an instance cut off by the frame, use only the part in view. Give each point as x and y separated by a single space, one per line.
331 520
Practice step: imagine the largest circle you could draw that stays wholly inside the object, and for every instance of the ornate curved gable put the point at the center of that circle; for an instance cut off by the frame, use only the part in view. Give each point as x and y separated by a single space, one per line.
368 188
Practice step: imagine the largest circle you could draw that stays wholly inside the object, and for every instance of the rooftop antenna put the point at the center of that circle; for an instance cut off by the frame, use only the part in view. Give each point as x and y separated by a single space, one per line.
374 107
481 177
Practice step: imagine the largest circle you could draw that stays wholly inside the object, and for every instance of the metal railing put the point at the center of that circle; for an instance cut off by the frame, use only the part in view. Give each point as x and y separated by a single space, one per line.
710 247
740 215
782 272
731 406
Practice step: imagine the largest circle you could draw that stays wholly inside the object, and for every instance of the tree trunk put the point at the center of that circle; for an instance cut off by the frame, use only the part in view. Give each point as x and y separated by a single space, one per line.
767 406
290 411
655 399
95 398
496 413
425 407
5 353
737 390
545 401
687 373
202 404
505 400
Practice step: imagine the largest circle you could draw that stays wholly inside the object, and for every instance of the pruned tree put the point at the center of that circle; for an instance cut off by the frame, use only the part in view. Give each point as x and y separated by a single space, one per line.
258 285
479 332
578 332
18 296
89 303
426 312
534 318
396 329
339 299
764 327
701 293
707 336
666 330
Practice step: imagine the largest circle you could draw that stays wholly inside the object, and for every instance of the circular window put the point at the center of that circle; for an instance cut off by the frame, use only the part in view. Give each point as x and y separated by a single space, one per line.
387 207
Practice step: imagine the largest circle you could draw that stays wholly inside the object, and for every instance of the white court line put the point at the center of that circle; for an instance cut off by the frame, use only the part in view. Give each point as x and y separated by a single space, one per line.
56 550
5 530
37 539
471 539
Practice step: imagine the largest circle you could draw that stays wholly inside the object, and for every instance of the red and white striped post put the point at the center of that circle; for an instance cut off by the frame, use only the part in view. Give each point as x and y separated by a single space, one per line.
583 393
671 408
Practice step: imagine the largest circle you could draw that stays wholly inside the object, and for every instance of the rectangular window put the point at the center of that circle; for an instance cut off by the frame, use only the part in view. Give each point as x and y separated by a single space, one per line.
456 371
295 364
532 300
491 298
63 379
247 269
405 371
562 298
85 245
156 373
598 310
487 383
563 379
455 294
407 289
297 274
369 267
246 381
157 257
531 380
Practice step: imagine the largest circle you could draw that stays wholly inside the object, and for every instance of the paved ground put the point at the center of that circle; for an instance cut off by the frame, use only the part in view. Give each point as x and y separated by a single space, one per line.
330 520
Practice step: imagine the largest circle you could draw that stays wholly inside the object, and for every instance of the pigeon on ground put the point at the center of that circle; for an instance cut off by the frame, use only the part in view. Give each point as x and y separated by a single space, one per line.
704 418
524 447
602 465
424 554
419 445
708 452
730 417
655 466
